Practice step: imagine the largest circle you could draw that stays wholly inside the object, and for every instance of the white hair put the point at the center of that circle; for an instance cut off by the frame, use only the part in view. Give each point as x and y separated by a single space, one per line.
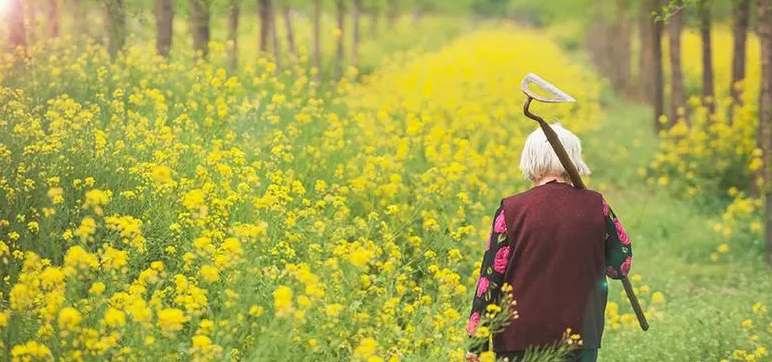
539 159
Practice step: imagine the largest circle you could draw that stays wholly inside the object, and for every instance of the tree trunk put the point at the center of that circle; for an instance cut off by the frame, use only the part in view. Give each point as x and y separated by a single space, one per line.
677 94
393 12
275 37
374 23
31 19
199 16
317 35
264 8
599 44
741 21
659 86
53 18
16 36
164 18
609 44
116 25
623 48
646 56
341 50
233 31
765 111
355 13
611 36
79 12
290 30
708 92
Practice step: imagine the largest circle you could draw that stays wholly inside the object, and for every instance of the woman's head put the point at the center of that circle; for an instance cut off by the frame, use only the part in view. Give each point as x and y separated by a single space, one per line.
539 160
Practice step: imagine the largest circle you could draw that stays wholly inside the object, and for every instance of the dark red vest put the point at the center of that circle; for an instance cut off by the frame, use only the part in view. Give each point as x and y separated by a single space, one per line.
556 233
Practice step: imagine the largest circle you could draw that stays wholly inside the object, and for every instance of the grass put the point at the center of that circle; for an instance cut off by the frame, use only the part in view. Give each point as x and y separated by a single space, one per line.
705 301
672 241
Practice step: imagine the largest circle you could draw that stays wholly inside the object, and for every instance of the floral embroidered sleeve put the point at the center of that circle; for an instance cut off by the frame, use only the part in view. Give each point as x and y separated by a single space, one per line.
491 274
619 252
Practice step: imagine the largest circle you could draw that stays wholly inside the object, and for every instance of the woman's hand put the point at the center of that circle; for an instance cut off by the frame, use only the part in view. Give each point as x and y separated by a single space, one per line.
471 357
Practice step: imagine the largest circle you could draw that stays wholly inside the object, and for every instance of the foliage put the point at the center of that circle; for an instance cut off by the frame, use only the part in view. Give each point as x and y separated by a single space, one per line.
708 154
549 12
490 8
713 158
672 7
757 327
168 209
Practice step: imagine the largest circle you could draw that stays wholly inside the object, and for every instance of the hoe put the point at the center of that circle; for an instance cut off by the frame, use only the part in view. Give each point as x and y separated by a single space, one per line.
559 96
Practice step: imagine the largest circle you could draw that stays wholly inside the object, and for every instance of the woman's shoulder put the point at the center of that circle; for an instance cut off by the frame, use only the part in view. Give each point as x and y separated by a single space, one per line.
550 191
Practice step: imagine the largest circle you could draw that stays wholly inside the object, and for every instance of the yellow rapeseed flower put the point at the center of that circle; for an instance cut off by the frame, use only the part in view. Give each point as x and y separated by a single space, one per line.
69 318
114 318
209 273
256 311
171 320
367 347
30 351
487 356
723 248
657 298
282 300
87 227
359 257
97 288
747 324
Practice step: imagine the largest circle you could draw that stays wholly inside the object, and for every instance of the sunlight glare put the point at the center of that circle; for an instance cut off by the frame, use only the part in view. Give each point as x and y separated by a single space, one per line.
5 7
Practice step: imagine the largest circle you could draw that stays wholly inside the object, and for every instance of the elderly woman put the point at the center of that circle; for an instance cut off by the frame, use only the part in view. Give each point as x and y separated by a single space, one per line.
554 245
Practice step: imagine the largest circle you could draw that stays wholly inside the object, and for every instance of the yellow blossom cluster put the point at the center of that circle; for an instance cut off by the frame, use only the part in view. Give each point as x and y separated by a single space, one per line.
757 329
718 153
741 218
164 209
622 317
708 153
713 154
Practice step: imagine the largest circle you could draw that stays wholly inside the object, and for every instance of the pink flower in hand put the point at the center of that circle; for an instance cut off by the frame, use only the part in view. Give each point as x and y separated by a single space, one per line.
625 268
621 233
482 286
500 226
474 320
501 259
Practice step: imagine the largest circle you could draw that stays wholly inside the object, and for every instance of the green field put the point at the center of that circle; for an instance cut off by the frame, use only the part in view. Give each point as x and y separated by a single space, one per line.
171 209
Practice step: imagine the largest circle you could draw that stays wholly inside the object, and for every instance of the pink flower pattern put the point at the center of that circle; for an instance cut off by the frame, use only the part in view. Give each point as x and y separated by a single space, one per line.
625 268
618 262
621 233
491 272
474 320
482 286
618 254
500 226
501 260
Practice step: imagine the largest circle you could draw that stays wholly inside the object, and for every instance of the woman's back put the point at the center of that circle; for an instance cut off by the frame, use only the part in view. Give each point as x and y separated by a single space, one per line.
556 266
552 244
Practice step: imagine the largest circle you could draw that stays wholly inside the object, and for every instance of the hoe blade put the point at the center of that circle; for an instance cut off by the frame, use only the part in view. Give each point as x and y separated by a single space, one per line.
558 95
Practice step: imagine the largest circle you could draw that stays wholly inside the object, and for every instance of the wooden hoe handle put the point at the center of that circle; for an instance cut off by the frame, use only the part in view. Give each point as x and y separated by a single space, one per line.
573 174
